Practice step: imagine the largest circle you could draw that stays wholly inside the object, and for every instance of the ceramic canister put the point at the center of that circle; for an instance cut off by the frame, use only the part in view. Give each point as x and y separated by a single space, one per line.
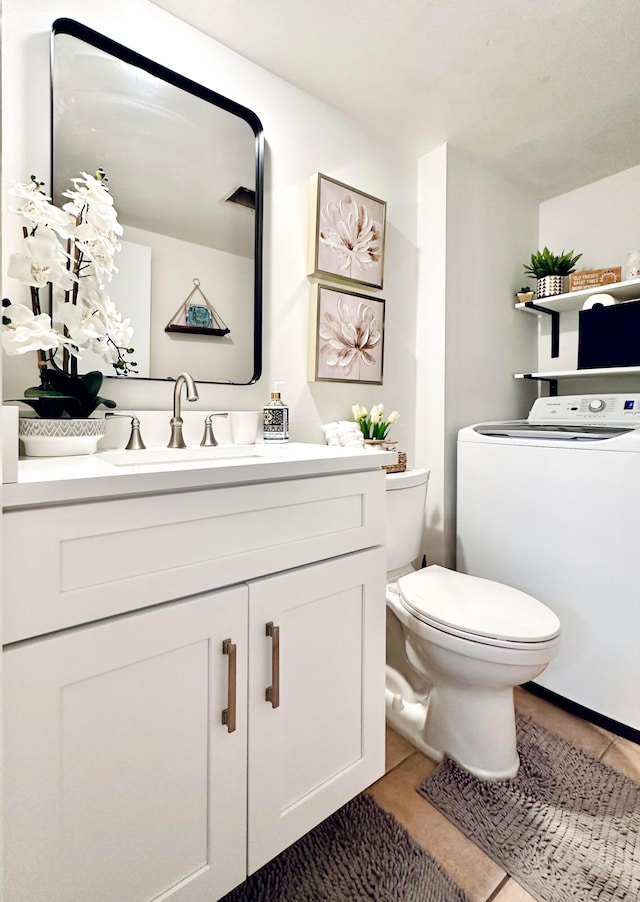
633 265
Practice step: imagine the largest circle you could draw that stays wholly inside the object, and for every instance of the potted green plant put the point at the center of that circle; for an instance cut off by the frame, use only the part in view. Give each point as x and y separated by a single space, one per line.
550 270
524 294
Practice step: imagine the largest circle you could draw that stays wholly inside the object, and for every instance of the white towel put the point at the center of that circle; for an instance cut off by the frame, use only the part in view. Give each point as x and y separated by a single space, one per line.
344 433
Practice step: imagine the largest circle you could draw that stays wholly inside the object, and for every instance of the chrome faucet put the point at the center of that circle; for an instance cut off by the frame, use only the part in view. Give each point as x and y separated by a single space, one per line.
177 440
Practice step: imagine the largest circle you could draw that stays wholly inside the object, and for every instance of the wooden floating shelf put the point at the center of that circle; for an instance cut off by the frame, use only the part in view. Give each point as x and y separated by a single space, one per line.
196 330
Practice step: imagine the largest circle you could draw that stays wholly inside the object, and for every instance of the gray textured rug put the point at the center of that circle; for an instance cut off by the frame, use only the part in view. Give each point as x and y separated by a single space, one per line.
359 853
566 828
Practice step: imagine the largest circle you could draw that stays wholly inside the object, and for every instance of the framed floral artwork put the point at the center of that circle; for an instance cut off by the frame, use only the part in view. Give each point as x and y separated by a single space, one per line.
346 336
346 233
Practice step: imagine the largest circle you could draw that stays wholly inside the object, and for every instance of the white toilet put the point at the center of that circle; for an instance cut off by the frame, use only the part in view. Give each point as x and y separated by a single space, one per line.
456 647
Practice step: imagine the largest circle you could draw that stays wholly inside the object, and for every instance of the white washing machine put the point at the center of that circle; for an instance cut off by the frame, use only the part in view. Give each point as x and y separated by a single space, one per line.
551 505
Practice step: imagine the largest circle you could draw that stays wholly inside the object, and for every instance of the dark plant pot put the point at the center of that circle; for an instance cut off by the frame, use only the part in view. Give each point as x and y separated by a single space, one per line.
549 286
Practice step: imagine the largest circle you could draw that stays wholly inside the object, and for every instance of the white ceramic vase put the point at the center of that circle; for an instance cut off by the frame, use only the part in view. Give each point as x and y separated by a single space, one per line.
633 265
43 437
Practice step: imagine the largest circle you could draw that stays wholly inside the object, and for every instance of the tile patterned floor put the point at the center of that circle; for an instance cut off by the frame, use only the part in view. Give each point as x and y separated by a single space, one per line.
471 868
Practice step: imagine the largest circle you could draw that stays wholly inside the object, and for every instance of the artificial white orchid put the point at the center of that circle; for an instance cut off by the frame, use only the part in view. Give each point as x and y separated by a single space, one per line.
38 209
25 331
99 249
94 323
121 332
89 190
351 233
97 230
42 261
85 317
81 323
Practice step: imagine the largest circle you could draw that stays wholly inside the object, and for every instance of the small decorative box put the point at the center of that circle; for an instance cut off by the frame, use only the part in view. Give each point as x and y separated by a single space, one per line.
593 278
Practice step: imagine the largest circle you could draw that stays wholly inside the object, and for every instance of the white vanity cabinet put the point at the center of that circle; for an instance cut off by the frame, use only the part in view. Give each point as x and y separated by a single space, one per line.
324 743
123 778
121 781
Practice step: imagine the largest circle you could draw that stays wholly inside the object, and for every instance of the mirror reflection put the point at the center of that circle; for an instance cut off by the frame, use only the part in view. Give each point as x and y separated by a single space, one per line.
185 169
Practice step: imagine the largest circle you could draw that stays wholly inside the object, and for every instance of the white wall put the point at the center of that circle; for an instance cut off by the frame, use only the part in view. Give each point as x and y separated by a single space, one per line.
601 221
226 280
302 136
474 232
431 340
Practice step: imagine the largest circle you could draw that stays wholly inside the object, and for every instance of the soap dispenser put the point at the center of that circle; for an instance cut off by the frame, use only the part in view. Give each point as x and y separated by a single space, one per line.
275 418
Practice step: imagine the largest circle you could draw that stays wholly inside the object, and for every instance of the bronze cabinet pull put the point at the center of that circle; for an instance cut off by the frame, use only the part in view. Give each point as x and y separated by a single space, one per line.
272 693
229 713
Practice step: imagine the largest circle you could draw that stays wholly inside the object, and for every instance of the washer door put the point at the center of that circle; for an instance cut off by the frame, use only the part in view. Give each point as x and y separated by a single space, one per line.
555 431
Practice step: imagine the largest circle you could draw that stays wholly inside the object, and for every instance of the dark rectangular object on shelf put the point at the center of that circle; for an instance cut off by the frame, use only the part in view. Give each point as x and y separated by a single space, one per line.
609 336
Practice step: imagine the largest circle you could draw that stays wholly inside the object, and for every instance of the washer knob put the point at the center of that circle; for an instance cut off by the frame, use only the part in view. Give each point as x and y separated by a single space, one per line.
596 404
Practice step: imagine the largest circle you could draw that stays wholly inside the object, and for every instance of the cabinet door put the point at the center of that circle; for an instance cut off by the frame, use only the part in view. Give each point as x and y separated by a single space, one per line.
121 781
324 742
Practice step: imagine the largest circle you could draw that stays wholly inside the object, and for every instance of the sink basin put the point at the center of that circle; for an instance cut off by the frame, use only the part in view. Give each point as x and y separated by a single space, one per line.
151 458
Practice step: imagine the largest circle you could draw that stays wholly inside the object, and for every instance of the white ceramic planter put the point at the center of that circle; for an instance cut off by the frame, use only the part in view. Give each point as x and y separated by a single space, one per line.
549 286
42 437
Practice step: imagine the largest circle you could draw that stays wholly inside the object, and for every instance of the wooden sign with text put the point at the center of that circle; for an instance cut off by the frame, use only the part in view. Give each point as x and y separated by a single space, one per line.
592 278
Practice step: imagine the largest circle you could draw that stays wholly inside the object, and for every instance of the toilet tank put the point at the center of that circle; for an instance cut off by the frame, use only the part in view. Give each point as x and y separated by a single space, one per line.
406 497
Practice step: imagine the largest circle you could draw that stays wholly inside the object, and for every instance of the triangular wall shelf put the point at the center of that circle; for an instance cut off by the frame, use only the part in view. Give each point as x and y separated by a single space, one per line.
196 317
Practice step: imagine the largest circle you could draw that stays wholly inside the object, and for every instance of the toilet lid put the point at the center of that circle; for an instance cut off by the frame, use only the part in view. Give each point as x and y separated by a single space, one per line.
470 606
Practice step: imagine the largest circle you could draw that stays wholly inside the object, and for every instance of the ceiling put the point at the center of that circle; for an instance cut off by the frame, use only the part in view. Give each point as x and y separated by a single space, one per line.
546 91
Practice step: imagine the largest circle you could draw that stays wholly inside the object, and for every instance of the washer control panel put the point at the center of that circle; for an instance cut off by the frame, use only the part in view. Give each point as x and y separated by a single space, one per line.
605 410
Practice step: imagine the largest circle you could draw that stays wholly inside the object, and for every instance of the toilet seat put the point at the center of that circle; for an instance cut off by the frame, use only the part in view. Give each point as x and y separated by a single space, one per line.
478 610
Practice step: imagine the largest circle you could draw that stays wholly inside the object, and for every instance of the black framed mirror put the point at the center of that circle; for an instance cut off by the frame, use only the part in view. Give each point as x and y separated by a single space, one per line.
186 171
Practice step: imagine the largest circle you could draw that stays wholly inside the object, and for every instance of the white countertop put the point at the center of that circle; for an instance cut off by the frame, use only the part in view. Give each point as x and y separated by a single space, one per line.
110 474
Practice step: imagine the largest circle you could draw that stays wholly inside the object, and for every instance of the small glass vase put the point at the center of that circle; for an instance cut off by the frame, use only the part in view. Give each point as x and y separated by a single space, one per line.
45 437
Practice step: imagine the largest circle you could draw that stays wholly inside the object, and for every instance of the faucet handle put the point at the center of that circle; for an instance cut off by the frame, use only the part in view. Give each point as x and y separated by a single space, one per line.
135 442
209 439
